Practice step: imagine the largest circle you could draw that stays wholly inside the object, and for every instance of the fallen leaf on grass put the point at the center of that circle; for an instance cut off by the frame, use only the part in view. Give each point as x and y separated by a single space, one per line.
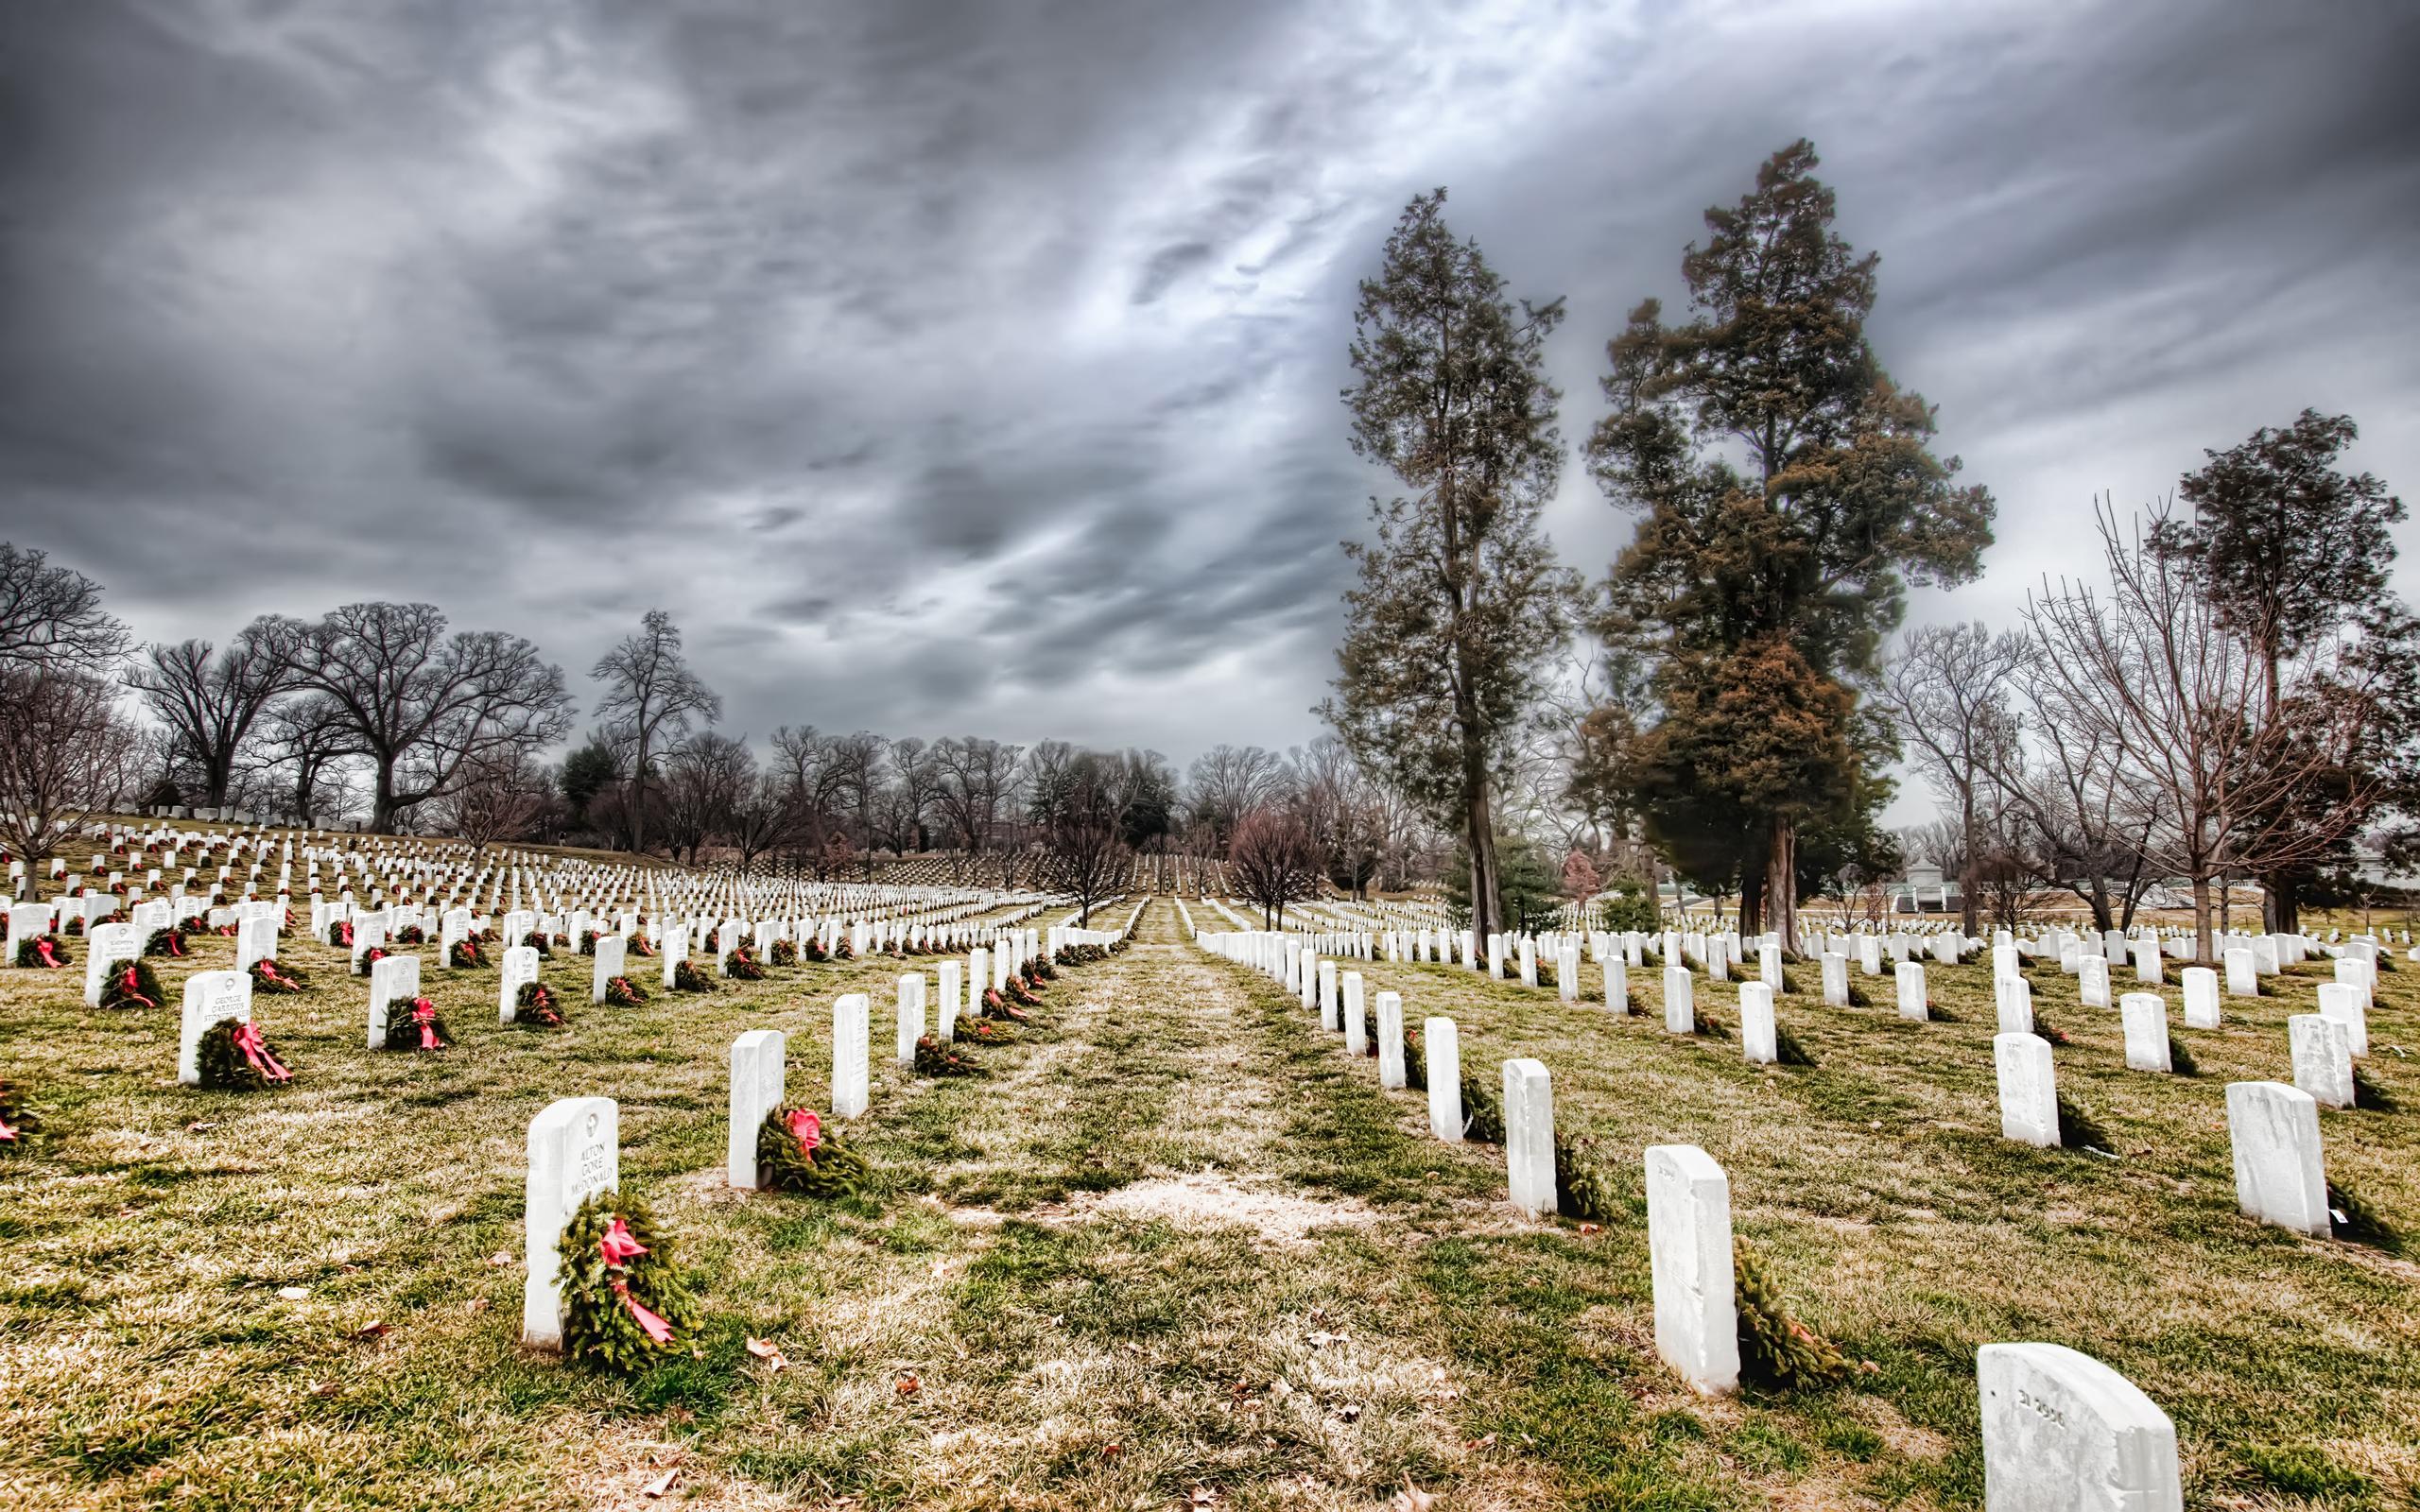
662 1484
200 1128
907 1385
500 1257
478 1304
770 1353
1412 1499
294 1294
374 1329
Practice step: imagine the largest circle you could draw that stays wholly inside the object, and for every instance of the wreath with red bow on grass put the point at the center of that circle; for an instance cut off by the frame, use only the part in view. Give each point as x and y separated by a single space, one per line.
536 1006
132 984
621 992
743 966
794 1154
466 956
234 1056
417 1027
47 950
268 976
625 1305
169 942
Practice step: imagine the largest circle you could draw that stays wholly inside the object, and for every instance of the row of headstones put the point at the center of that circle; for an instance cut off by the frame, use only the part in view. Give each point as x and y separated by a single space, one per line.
2108 1436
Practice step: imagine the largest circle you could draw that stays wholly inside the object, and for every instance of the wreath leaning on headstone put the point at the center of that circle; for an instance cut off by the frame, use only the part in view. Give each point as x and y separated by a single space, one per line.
933 1059
132 984
417 1027
793 1154
625 1305
535 1007
783 954
169 942
19 1124
621 992
1776 1349
48 951
268 976
743 966
466 955
234 1056
687 978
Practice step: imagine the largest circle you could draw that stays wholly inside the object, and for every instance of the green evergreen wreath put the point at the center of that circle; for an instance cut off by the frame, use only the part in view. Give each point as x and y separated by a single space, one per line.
642 947
826 1169
1483 1109
599 1327
621 992
466 954
975 1031
1583 1184
268 976
537 941
411 934
19 1123
226 1067
587 942
169 942
1788 1051
2180 1059
404 1029
687 978
1775 1349
2076 1128
132 984
813 950
2355 1221
783 954
535 1007
1416 1061
43 950
934 1059
742 965
340 933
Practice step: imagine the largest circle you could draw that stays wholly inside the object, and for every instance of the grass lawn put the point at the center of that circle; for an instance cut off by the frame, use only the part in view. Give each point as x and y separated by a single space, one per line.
1175 1250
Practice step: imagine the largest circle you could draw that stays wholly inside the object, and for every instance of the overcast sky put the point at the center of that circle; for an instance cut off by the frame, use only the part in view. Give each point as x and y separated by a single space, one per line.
973 367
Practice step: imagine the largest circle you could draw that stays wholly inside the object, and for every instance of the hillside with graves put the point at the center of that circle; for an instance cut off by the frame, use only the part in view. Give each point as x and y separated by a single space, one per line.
346 1167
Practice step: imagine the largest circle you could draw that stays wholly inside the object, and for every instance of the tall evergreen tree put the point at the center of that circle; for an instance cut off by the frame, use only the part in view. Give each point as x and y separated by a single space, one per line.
2290 552
1461 601
1796 567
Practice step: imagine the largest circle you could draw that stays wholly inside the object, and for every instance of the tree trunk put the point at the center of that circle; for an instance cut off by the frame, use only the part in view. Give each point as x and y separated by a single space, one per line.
2280 910
1479 833
1781 884
2202 920
382 811
1968 872
1752 904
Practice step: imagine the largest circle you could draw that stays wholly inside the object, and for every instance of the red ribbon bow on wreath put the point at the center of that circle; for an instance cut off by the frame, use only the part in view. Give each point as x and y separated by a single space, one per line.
619 1247
46 955
425 1014
807 1129
129 981
248 1040
656 1328
8 1135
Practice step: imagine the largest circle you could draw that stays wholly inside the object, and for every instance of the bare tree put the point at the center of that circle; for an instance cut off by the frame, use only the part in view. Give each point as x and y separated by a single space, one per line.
65 755
976 777
1948 693
1081 804
854 769
764 817
2153 672
501 795
1227 783
418 703
211 702
312 739
652 698
51 617
1273 860
705 778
